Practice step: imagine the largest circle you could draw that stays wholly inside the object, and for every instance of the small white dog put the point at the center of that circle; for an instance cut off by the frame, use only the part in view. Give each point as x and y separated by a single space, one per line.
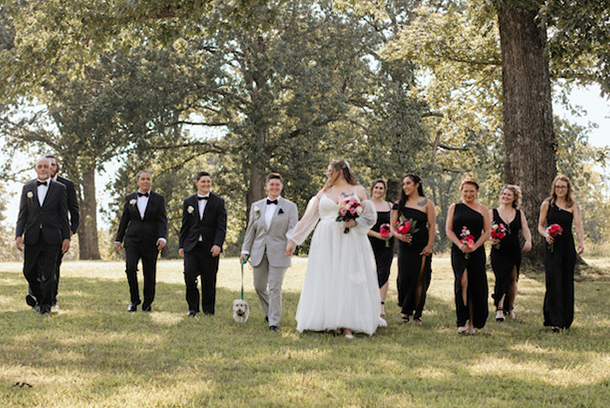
241 310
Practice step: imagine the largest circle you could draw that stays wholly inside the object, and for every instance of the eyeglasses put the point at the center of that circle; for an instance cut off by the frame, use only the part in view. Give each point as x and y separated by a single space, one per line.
561 187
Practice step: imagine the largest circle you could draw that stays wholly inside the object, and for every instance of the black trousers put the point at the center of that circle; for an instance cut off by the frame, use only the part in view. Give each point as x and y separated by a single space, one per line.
133 254
39 266
200 262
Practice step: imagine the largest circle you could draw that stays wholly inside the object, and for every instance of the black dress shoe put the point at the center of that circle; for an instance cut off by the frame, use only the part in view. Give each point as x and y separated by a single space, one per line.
274 329
147 308
132 307
191 313
30 300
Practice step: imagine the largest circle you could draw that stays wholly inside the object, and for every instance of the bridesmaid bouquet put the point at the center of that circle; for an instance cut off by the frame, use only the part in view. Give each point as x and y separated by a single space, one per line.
349 209
384 231
406 226
554 230
467 238
498 231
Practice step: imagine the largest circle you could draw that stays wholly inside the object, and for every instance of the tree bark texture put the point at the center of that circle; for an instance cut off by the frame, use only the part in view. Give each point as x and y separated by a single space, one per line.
87 231
528 117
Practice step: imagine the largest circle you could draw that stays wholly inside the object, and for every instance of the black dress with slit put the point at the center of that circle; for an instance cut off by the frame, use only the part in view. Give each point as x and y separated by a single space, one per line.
414 269
474 264
506 256
559 263
383 250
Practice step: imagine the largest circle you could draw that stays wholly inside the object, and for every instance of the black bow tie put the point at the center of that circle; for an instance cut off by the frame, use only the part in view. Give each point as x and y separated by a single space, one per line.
142 194
202 198
41 183
272 201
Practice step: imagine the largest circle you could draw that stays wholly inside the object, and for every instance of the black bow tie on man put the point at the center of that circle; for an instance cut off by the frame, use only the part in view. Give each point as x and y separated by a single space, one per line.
142 194
203 197
41 183
272 201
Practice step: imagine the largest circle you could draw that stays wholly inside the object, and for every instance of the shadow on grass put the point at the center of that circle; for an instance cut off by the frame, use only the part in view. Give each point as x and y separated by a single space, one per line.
94 350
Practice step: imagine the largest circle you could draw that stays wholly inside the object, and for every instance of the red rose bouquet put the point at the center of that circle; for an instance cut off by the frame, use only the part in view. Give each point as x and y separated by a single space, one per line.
384 231
349 209
498 231
406 226
554 230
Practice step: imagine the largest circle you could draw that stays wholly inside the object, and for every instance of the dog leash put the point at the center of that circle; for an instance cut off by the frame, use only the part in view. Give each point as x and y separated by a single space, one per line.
243 261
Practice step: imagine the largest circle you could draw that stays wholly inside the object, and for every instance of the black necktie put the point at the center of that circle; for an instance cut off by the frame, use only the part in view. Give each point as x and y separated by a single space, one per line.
142 194
202 198
41 183
272 201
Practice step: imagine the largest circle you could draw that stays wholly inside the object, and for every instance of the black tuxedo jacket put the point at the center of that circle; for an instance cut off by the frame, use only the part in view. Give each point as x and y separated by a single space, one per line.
135 229
73 207
49 221
212 228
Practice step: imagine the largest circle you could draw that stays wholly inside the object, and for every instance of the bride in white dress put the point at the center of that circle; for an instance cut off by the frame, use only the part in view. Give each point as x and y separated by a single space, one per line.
340 291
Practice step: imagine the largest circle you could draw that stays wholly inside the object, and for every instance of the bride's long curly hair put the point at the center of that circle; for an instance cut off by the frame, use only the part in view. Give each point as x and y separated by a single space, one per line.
341 167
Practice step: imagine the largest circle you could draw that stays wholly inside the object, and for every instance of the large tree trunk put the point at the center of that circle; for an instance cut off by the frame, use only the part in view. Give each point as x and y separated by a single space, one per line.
87 231
528 118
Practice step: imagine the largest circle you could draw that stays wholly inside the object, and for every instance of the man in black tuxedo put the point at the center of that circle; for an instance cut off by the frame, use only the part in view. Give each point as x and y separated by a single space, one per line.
73 212
204 225
143 226
42 233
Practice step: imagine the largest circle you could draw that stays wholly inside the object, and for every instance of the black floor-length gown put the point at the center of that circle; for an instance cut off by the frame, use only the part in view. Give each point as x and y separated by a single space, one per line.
412 272
384 250
474 263
506 256
559 262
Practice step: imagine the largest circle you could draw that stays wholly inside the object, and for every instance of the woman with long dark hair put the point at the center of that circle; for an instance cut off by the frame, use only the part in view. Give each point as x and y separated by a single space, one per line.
415 246
557 214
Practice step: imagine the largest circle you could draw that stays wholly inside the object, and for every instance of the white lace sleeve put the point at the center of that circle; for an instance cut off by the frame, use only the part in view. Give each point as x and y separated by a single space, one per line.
368 218
308 222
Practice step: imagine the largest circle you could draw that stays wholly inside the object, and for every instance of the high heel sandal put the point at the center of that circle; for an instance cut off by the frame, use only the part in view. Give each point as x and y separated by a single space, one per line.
500 315
405 319
382 314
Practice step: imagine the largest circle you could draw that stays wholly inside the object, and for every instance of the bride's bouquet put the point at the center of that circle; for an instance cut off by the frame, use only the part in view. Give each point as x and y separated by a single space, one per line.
349 209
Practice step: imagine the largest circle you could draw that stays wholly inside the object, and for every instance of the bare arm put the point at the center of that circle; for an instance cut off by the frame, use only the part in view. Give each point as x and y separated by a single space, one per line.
580 232
525 230
431 213
544 209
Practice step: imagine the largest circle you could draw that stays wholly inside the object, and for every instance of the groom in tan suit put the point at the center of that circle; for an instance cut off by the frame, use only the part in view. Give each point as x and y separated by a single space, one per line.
265 242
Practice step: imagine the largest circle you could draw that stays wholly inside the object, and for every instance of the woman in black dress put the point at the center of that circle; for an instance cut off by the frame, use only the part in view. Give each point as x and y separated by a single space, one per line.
506 252
468 227
383 247
415 248
560 254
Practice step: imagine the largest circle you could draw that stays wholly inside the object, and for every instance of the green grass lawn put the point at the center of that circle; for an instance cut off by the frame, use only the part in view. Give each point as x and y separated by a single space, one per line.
92 353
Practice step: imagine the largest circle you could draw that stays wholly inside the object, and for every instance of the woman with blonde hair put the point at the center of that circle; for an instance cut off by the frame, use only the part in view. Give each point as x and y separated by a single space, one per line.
557 214
508 220
468 227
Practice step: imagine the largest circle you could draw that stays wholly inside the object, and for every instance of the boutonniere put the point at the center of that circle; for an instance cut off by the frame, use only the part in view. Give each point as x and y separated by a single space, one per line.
190 209
280 211
257 213
133 201
30 195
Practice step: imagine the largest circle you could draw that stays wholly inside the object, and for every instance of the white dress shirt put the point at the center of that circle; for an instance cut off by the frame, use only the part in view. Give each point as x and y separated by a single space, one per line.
42 190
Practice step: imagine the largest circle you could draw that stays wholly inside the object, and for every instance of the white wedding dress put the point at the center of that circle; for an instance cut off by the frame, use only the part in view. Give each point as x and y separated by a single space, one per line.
341 287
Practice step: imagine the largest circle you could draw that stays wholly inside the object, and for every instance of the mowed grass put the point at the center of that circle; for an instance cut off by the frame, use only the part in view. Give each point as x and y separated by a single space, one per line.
92 353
